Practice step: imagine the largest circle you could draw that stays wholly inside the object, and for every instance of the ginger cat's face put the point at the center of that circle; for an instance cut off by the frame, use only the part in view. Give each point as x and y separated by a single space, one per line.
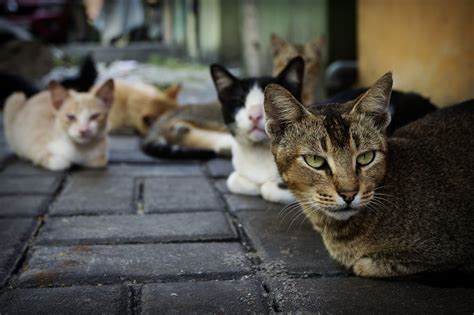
82 116
284 51
145 110
332 157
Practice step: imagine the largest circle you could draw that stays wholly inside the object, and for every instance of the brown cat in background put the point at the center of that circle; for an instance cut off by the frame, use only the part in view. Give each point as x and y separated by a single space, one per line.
138 105
384 207
284 51
59 127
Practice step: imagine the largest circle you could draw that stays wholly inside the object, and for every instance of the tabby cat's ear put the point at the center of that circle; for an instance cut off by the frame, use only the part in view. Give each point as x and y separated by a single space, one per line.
278 43
222 78
106 93
291 77
375 102
281 110
317 44
173 91
58 93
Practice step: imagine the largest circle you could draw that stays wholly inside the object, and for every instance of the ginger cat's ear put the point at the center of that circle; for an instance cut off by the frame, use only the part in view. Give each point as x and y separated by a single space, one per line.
281 110
278 44
173 91
106 93
375 102
58 93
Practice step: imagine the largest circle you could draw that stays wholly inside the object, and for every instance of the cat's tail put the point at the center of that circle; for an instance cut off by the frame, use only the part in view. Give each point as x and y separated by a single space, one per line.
13 104
167 151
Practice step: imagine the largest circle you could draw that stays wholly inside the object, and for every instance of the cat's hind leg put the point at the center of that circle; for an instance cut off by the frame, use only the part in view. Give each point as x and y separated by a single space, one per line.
238 184
271 191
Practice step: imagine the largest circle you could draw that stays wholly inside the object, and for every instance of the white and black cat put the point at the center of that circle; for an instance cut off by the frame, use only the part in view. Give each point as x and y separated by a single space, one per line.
255 172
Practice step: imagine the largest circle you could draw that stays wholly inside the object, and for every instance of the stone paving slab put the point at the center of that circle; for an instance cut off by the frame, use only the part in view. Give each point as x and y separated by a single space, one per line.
14 185
14 233
238 203
176 194
197 226
144 171
210 297
21 168
293 248
366 296
72 300
23 206
141 262
95 195
219 167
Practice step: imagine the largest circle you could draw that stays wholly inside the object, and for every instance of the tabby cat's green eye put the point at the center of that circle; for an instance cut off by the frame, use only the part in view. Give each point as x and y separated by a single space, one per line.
315 161
365 158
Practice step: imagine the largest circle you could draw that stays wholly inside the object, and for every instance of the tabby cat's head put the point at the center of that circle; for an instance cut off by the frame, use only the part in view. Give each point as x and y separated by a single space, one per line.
83 116
332 157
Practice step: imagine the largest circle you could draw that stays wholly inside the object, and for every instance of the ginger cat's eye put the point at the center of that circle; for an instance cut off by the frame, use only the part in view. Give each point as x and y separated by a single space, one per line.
365 158
71 117
94 116
315 161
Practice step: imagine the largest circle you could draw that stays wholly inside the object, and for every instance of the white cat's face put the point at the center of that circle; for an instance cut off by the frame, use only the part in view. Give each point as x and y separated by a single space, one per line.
250 119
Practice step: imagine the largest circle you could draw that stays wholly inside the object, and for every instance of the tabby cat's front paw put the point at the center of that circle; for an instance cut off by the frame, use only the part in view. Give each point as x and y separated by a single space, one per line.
368 267
271 192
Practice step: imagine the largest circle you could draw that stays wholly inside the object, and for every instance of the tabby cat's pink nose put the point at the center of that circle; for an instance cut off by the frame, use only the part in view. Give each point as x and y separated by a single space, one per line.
348 196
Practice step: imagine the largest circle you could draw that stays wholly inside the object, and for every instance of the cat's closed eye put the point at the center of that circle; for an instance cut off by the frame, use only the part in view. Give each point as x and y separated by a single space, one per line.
365 158
94 116
71 117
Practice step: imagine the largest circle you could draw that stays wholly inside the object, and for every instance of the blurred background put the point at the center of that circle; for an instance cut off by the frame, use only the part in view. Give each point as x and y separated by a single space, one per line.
428 44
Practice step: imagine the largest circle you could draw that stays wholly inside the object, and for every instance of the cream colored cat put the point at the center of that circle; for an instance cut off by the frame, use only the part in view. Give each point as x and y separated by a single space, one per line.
59 127
138 105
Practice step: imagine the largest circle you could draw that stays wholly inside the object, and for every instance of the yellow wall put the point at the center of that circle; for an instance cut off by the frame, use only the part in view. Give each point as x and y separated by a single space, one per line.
428 44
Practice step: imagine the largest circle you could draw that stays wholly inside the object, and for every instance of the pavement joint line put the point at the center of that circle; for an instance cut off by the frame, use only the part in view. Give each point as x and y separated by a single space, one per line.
114 242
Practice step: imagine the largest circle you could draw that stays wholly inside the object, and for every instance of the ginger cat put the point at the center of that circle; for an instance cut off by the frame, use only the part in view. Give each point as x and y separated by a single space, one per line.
138 105
310 51
63 127
384 206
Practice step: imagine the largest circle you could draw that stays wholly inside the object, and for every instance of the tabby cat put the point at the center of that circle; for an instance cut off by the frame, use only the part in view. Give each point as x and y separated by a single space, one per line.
384 207
59 127
310 51
255 172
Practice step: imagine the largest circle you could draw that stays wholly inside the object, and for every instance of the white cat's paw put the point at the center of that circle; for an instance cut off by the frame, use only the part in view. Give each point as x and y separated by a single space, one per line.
224 146
57 163
241 185
271 192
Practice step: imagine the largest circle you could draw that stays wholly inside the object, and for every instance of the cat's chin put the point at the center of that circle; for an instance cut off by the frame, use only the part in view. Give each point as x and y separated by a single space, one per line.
257 135
341 214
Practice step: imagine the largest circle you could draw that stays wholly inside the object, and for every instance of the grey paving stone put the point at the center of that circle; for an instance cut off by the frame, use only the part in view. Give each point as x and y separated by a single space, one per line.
144 171
178 194
285 246
126 156
250 203
219 167
140 262
14 233
95 194
26 205
72 300
221 186
20 167
124 142
137 228
11 185
365 296
210 297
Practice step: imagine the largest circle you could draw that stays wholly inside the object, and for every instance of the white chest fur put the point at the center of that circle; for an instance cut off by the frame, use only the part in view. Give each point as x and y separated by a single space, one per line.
256 163
65 149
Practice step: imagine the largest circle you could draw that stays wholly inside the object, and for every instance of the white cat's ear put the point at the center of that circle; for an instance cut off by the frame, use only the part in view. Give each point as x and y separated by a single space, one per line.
222 78
375 102
278 43
58 93
173 91
106 93
281 110
291 77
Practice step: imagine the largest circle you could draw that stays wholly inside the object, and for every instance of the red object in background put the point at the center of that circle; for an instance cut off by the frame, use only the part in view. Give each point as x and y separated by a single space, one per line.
45 19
